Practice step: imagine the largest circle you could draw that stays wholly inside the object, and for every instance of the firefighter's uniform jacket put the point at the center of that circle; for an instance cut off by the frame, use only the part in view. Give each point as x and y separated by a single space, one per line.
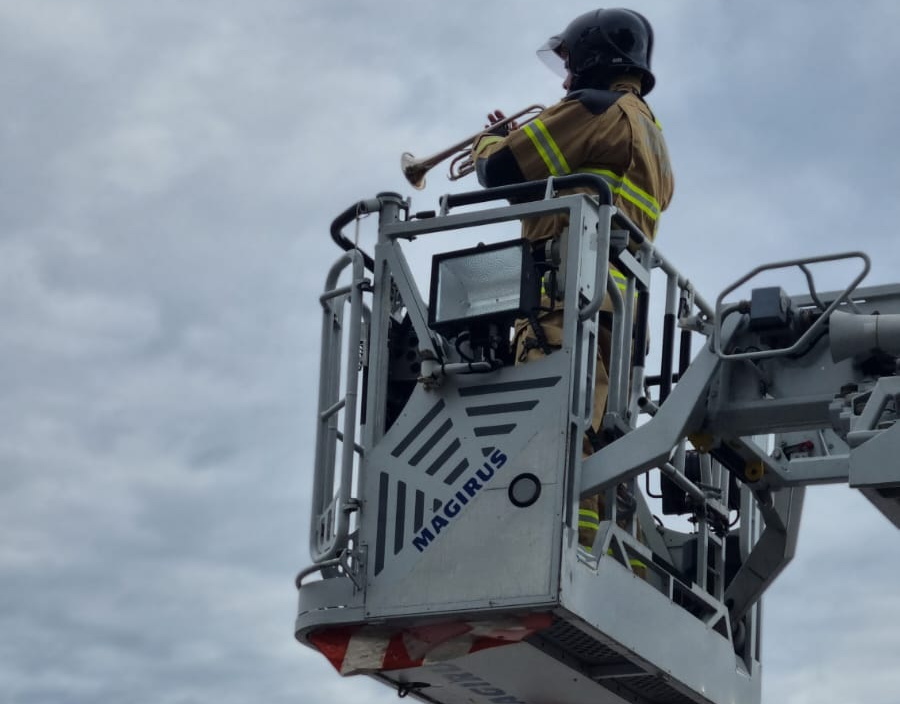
609 133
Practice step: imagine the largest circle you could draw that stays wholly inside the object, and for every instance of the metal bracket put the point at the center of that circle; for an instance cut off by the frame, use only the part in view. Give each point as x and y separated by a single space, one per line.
341 560
810 334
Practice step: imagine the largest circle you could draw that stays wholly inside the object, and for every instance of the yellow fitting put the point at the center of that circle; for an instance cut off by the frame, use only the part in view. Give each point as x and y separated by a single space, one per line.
704 442
753 471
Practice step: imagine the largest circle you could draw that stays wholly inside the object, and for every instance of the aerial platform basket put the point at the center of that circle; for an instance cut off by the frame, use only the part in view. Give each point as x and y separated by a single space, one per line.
444 526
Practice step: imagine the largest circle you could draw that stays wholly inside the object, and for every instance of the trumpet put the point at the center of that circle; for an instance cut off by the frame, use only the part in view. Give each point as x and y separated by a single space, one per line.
462 164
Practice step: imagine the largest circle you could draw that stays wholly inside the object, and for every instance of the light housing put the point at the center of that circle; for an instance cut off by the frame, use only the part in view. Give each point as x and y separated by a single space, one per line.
474 288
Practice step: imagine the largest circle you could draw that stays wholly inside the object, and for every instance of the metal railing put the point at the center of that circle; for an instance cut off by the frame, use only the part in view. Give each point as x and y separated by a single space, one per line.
332 505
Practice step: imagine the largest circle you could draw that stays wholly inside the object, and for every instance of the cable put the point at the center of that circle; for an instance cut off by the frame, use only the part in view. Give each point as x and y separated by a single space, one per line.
812 286
460 339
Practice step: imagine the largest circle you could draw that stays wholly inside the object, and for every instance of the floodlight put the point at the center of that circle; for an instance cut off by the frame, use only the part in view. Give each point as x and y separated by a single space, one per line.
472 289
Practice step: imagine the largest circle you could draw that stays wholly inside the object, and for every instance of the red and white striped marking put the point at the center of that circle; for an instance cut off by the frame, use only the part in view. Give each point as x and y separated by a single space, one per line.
360 649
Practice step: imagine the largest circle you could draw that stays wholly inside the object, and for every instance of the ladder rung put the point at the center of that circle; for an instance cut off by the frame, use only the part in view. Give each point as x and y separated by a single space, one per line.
328 412
356 447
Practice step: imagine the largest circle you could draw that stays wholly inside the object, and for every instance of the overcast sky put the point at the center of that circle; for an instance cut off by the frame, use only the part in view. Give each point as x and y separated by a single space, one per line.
169 171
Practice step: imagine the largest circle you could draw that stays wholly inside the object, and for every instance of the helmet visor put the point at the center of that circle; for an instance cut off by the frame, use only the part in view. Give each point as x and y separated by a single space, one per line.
551 55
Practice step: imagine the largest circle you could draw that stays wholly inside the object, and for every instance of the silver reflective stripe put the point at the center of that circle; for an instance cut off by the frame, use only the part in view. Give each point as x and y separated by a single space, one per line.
621 186
548 149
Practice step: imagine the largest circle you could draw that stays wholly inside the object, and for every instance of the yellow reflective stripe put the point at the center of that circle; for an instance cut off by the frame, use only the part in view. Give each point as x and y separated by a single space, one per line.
548 149
621 280
588 518
623 186
588 513
484 142
642 193
651 210
640 205
611 178
551 167
634 562
554 146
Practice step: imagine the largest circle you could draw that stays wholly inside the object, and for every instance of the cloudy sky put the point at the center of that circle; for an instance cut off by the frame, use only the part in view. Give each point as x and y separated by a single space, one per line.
169 171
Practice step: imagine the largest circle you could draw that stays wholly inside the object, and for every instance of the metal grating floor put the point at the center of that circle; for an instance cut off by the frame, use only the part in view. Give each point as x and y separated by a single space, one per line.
569 643
578 644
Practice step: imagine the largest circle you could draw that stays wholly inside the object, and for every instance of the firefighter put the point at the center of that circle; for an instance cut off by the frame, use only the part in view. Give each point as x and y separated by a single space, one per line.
602 126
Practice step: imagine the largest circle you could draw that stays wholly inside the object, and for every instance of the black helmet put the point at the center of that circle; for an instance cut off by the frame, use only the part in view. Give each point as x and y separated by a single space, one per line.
602 41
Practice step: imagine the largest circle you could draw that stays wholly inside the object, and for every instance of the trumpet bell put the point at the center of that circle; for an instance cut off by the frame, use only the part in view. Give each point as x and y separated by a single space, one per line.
414 170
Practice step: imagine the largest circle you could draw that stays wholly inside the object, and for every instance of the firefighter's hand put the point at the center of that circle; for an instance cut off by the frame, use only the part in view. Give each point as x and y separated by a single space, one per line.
496 117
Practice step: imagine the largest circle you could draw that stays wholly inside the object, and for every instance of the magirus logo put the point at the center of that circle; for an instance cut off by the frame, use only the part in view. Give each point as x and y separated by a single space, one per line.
453 507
